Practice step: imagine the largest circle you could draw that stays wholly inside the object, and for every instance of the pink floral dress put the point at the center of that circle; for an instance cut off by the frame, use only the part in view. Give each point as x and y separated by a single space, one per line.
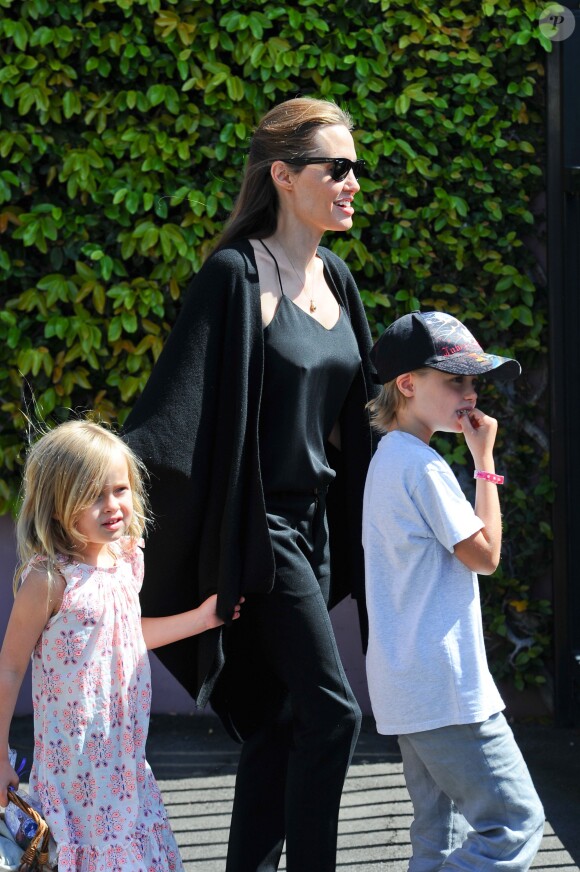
91 685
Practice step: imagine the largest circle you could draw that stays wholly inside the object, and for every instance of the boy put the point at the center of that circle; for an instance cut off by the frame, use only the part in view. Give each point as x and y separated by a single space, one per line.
475 806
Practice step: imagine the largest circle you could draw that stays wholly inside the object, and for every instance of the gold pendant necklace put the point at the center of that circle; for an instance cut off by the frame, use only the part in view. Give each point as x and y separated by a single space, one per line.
311 295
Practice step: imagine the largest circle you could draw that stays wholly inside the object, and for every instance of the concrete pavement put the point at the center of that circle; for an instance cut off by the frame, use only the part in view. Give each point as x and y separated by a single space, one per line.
195 764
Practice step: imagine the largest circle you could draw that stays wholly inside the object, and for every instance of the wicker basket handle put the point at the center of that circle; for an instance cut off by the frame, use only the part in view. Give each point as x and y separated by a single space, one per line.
36 854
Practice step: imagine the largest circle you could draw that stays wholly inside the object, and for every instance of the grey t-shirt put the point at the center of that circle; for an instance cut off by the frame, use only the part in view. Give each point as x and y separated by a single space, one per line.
426 660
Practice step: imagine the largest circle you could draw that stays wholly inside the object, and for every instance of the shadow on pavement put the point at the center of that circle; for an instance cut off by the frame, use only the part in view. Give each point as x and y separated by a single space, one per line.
195 762
553 758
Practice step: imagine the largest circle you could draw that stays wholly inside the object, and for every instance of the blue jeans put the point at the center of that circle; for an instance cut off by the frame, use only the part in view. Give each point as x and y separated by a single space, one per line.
474 802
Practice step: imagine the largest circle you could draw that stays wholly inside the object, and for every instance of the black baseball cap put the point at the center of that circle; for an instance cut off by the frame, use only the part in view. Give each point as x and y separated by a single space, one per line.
439 341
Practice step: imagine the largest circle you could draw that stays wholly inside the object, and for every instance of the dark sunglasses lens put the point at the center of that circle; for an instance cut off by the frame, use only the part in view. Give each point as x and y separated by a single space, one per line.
340 169
342 166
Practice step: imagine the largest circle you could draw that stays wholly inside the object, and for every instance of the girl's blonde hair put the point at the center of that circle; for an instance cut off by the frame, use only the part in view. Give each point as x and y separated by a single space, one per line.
64 474
286 131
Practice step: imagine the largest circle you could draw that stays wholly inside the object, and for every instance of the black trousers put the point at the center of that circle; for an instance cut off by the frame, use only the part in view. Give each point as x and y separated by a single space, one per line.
292 768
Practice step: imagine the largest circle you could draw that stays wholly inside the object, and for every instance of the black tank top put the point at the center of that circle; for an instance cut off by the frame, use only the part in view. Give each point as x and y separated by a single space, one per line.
308 371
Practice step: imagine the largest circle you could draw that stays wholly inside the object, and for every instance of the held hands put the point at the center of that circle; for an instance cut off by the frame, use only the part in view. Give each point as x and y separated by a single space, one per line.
480 431
8 778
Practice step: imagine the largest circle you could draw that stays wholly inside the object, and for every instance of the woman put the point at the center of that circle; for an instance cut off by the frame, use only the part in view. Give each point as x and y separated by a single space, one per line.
254 427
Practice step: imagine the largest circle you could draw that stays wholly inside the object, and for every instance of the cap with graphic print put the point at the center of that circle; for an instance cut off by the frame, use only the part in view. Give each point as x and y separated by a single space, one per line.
440 341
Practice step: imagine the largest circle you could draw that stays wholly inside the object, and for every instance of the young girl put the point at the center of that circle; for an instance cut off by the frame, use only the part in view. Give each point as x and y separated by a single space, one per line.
76 610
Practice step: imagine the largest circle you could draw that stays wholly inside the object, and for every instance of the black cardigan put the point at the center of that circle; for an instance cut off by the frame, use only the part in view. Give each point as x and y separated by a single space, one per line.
196 428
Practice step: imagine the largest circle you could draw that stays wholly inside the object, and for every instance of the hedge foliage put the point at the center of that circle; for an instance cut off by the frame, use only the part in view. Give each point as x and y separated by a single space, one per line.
124 126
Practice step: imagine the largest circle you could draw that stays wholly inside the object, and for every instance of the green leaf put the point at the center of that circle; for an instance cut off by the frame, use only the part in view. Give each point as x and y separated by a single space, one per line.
125 127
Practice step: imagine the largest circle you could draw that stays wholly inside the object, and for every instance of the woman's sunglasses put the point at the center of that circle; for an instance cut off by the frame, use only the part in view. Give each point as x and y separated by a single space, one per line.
341 166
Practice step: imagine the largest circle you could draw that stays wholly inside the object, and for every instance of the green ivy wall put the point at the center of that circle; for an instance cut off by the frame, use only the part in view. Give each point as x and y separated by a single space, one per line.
124 126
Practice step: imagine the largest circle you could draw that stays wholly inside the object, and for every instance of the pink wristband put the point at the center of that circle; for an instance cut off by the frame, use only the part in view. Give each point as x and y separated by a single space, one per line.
488 476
